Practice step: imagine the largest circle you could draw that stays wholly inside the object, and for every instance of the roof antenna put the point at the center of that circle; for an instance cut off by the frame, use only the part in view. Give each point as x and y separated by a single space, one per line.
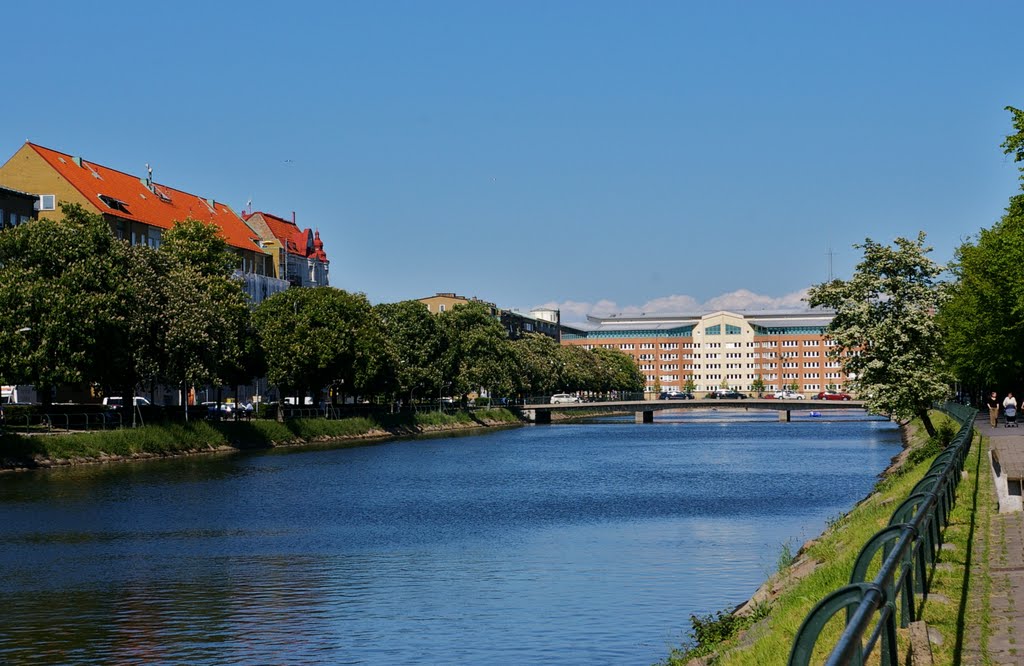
149 178
829 253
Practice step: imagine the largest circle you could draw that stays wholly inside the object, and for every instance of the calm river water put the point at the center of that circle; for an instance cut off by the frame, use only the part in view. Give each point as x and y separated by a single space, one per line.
563 544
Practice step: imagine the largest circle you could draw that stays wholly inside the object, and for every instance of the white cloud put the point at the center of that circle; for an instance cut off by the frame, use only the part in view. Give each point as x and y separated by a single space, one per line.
681 304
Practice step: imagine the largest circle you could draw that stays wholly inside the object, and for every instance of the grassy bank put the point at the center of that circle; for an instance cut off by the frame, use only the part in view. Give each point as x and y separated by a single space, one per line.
163 440
763 631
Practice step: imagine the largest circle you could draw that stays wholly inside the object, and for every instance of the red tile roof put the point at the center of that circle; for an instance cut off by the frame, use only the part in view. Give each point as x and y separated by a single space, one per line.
129 198
294 240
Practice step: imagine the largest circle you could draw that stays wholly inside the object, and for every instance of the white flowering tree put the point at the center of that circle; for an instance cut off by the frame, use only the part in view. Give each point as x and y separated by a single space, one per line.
885 328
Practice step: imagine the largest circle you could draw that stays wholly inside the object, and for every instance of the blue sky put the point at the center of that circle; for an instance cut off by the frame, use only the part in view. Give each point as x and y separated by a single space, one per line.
603 157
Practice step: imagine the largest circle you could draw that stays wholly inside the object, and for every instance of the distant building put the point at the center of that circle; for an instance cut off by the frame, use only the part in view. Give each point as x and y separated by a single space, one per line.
544 321
16 207
722 349
298 254
138 209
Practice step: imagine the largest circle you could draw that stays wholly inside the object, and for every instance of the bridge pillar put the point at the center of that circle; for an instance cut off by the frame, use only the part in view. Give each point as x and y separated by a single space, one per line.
542 416
784 415
644 417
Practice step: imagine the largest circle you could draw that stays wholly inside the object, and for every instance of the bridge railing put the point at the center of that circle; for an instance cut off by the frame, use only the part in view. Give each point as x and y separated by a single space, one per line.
908 547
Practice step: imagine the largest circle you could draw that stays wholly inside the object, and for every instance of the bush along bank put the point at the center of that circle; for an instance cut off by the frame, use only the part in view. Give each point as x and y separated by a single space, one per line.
26 452
761 631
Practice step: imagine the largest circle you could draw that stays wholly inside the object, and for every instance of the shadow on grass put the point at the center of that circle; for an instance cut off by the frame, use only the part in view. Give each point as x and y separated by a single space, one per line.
20 449
961 620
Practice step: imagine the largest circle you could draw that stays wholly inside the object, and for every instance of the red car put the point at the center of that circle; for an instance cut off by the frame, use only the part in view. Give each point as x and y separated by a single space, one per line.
833 395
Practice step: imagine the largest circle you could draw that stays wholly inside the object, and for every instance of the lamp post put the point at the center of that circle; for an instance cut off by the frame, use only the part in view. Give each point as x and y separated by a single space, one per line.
441 388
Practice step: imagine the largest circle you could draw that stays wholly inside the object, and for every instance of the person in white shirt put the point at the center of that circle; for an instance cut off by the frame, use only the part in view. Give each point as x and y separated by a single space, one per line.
1009 401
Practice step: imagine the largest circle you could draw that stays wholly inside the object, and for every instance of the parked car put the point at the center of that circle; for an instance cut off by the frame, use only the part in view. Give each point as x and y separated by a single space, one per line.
225 407
116 402
727 394
788 395
675 395
563 398
833 395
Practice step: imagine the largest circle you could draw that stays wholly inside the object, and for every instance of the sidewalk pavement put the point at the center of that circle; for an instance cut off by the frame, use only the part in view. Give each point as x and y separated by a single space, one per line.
1005 553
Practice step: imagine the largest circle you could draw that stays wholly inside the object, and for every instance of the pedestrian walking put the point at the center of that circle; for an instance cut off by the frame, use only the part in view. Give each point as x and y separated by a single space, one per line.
992 402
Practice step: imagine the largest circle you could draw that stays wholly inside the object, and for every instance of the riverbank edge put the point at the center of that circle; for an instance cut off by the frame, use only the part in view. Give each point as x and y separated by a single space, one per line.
44 459
377 433
731 632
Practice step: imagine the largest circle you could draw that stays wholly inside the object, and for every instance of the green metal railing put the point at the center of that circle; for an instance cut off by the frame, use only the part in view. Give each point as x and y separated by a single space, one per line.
909 547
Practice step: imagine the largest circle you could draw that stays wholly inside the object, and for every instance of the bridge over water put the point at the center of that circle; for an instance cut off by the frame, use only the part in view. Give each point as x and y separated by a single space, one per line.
644 409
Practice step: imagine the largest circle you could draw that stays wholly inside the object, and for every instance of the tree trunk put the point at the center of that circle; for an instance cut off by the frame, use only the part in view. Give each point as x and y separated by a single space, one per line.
926 420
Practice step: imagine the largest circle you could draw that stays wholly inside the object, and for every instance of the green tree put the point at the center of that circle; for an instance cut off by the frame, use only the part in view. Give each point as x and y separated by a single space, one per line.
982 322
311 338
60 317
539 361
757 386
413 337
476 352
690 386
885 328
578 368
616 371
205 309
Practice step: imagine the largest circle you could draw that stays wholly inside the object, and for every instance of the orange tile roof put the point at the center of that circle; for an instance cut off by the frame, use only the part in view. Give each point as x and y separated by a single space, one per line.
140 204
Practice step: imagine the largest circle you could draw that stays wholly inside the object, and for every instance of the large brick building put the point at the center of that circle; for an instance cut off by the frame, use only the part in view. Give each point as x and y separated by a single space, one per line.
722 349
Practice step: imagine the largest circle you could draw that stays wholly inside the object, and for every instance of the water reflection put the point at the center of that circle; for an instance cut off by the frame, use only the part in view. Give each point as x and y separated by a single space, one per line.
564 544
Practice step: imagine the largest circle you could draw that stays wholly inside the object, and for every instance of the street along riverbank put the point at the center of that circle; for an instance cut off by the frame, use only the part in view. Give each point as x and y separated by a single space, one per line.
23 452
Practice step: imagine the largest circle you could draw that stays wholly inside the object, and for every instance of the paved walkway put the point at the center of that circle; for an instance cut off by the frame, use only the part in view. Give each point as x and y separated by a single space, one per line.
1006 558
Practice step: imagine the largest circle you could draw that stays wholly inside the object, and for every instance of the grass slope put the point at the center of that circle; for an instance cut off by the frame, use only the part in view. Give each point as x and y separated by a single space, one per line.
765 636
20 450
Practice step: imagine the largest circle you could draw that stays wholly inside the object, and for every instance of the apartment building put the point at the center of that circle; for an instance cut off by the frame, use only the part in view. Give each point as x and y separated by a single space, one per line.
137 208
540 320
722 348
298 253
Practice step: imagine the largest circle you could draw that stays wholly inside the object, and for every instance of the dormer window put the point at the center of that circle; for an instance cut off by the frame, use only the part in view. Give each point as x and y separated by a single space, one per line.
114 204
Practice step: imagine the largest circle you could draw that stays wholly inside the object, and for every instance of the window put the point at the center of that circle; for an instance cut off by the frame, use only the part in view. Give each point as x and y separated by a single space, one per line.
47 202
732 330
114 204
440 308
713 330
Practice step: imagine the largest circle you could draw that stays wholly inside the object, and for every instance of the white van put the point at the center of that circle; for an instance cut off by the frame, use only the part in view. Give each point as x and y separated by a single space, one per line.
116 401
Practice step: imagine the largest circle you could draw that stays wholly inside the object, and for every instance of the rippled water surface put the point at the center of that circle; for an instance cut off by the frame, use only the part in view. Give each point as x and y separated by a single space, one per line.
563 544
